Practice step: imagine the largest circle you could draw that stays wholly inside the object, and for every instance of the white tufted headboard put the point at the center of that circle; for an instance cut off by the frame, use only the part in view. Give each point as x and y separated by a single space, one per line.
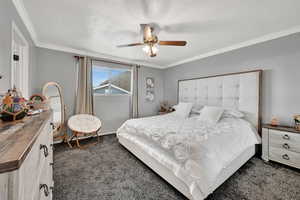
236 90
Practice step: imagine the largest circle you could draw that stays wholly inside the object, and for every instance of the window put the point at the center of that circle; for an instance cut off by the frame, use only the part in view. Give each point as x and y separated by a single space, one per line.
111 80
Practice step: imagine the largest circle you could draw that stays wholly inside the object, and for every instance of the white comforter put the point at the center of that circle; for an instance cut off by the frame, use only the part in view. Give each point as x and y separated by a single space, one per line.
195 151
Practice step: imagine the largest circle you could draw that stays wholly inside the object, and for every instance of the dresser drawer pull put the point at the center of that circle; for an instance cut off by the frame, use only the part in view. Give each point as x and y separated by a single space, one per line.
286 146
286 137
45 149
52 125
285 157
51 164
45 188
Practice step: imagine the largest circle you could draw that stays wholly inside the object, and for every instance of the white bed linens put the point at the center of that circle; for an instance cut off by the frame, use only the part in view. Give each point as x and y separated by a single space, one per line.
195 151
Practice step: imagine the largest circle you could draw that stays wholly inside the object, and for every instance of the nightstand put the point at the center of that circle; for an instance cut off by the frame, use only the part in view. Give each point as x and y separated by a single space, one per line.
281 144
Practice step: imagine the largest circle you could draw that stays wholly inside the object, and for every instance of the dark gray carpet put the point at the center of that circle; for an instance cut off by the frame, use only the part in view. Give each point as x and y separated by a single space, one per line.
108 171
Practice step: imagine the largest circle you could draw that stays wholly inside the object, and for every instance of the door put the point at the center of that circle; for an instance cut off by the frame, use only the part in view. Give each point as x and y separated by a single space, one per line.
20 59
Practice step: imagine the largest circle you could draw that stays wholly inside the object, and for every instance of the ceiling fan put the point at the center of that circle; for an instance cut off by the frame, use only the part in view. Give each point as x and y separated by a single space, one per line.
150 41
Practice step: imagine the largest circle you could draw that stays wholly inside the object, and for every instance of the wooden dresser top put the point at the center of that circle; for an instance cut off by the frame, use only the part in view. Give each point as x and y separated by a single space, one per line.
282 128
17 138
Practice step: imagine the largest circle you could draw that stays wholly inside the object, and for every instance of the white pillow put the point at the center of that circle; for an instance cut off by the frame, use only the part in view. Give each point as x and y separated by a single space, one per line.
211 114
233 113
183 109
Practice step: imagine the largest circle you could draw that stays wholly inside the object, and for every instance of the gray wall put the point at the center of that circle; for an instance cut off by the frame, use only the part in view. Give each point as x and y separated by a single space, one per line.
112 110
8 13
280 60
150 108
60 67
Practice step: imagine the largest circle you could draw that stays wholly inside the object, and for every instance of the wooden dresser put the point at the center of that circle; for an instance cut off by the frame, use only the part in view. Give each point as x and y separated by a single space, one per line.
26 159
281 144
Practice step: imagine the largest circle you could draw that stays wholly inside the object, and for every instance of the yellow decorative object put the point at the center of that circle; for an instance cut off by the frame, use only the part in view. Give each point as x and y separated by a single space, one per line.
297 122
274 121
13 106
7 101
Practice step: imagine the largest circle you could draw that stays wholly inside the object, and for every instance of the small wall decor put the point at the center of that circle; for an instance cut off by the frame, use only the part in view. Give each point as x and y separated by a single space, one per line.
38 101
13 106
297 122
150 95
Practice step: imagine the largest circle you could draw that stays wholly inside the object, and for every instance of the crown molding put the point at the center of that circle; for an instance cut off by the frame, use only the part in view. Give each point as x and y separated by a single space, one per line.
25 17
247 43
93 54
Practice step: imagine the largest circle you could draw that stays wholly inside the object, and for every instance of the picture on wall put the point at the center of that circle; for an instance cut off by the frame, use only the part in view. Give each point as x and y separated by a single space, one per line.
150 96
149 83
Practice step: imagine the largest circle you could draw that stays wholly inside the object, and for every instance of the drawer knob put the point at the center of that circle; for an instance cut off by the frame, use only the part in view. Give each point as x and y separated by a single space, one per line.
286 137
45 149
52 125
286 146
285 157
45 188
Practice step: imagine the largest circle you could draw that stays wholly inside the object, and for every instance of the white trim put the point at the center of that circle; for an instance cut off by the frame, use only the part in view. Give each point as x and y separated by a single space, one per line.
96 55
19 5
254 41
25 58
25 17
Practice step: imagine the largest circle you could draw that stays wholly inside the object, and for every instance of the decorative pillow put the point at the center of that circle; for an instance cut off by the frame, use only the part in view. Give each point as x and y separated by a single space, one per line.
233 113
196 109
183 109
211 114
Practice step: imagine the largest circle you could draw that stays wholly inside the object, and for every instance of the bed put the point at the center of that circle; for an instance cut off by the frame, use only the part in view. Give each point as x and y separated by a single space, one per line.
197 157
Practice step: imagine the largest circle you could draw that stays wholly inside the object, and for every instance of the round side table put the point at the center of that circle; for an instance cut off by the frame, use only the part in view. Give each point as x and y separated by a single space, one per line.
83 124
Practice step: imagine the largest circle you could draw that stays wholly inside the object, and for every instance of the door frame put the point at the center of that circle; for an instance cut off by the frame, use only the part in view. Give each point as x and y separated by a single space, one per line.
25 60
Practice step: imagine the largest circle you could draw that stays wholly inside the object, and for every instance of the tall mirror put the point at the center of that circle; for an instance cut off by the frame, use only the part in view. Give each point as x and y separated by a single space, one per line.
52 91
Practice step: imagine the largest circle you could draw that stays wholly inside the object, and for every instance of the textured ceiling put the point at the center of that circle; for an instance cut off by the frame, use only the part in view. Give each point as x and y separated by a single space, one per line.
97 26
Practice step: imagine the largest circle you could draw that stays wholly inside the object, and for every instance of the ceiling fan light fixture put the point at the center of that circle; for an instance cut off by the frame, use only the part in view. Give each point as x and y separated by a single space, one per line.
154 49
150 49
146 48
150 41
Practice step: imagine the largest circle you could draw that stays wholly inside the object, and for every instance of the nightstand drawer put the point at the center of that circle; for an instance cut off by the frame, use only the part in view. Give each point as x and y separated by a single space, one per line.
292 138
284 140
285 156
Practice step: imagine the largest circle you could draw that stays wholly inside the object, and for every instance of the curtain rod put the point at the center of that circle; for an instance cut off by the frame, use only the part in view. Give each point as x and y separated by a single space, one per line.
109 61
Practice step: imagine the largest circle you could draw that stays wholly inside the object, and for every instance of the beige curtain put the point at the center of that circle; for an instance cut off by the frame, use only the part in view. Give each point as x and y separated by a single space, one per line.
84 92
134 95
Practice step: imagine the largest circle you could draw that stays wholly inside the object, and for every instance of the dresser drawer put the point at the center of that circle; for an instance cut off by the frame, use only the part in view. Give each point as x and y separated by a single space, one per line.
32 165
45 179
284 156
290 143
285 136
281 137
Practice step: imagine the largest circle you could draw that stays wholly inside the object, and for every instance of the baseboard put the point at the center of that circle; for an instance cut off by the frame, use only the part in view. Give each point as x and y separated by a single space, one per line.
85 137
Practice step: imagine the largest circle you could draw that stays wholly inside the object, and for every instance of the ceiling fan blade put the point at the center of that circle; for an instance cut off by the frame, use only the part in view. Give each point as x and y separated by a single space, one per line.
130 45
173 43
